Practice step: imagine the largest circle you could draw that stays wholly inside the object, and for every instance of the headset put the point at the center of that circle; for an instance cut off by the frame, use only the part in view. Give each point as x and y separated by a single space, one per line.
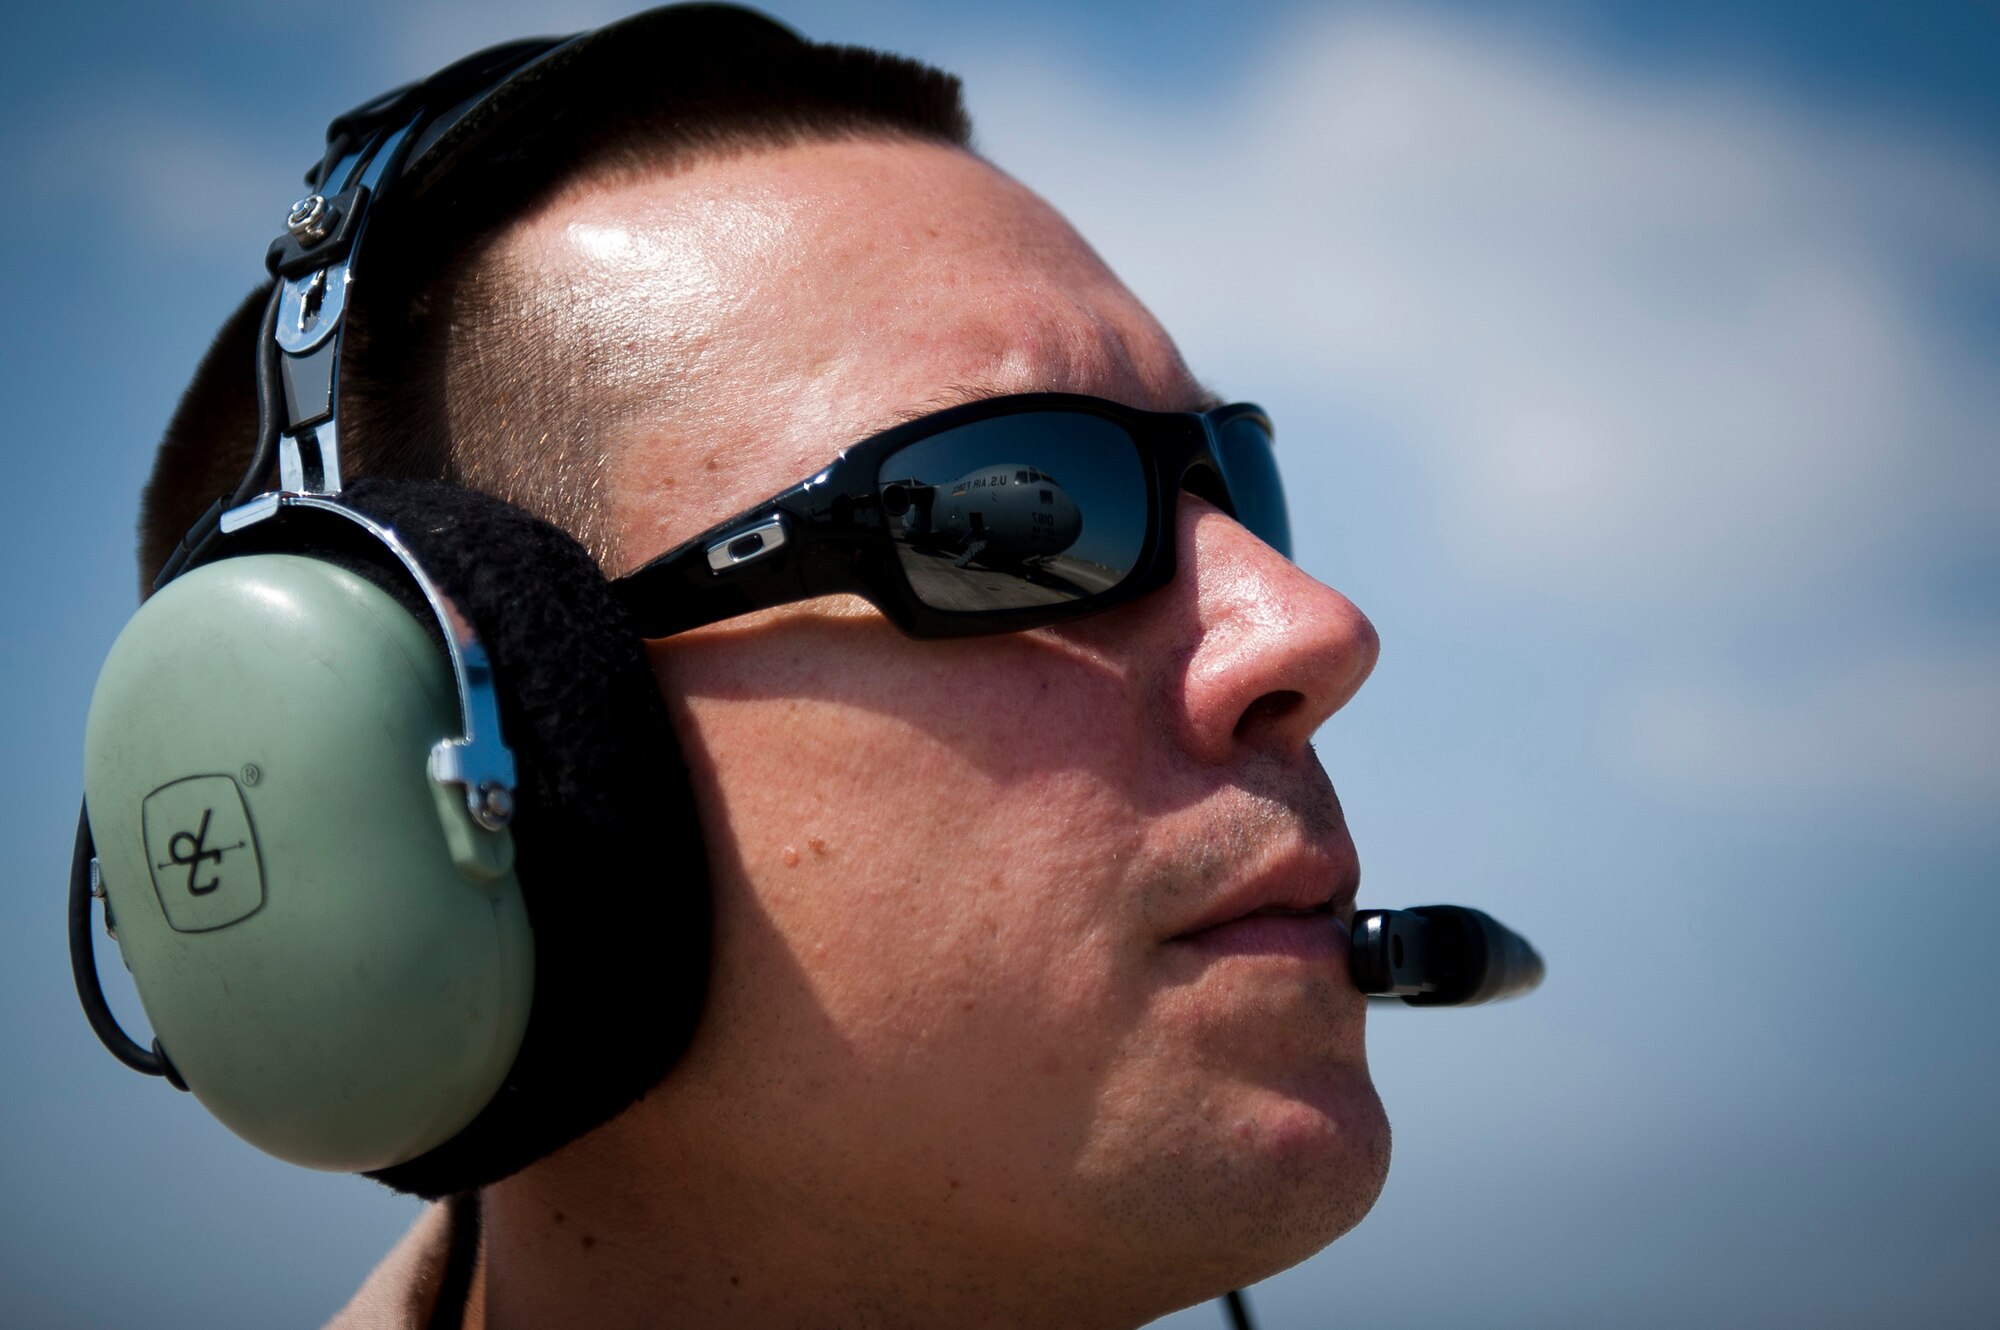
369 771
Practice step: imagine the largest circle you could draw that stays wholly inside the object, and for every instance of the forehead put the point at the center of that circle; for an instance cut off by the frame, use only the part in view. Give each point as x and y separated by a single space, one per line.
773 307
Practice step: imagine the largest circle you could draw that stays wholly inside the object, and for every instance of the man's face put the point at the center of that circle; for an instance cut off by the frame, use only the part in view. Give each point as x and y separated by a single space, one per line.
962 986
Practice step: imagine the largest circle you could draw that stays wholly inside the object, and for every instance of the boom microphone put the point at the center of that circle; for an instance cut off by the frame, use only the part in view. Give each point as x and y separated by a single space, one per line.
1440 956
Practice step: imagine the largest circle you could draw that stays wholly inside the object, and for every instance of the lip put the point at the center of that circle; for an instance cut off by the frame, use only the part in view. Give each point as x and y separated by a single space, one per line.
1237 922
1317 938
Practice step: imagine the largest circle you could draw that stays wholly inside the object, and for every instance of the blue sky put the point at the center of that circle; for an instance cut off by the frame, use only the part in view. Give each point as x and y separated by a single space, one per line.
1633 368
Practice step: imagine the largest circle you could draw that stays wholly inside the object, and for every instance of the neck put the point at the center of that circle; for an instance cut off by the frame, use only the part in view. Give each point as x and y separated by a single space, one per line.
610 1236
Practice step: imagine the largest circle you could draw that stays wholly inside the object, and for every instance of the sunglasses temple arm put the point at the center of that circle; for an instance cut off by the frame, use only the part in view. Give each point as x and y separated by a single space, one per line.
670 596
791 548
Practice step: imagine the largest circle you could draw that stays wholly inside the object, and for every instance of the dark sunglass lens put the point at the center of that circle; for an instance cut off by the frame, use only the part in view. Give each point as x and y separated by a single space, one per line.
1250 465
1032 509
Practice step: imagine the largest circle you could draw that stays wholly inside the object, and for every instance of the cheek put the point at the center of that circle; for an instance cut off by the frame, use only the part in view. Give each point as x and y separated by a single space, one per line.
925 860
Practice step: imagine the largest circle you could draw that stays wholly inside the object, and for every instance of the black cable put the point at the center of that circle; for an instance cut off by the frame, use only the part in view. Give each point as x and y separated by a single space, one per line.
1238 1307
337 146
83 967
270 405
461 1262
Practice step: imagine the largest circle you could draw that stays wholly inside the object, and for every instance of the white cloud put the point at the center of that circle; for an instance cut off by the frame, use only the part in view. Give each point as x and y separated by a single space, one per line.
1922 731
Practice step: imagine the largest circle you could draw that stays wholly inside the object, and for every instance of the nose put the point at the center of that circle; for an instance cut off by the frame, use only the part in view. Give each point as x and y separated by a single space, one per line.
1270 651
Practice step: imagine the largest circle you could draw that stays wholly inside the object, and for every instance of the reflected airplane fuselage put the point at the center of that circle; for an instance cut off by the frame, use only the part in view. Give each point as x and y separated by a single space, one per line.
998 516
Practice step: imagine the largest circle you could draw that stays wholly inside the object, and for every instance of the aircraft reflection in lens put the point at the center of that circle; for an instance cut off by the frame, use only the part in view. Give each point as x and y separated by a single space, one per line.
999 517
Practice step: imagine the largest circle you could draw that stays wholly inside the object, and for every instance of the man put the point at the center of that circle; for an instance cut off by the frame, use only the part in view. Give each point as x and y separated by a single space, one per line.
1023 1005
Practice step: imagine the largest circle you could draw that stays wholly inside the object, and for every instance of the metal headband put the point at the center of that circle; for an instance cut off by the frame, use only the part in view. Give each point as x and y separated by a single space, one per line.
315 259
401 145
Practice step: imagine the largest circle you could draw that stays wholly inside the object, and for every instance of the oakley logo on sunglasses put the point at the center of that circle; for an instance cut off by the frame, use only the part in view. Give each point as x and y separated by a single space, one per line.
764 538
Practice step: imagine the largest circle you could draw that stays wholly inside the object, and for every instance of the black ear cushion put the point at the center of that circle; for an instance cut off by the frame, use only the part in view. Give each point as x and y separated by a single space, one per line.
608 848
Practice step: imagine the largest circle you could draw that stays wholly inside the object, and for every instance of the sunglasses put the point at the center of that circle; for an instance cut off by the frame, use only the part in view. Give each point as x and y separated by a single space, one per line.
996 516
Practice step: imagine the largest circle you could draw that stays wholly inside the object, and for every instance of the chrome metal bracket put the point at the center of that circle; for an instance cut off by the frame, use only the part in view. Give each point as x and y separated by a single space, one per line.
249 514
478 759
309 462
310 308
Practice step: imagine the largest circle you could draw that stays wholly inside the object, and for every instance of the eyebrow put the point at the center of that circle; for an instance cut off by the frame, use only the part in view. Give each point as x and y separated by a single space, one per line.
958 394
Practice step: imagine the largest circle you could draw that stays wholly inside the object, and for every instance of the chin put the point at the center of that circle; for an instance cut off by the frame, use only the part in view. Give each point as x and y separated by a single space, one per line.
1279 1176
1321 1160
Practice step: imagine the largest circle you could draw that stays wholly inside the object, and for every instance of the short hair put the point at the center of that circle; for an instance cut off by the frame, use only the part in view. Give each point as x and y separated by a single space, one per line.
451 369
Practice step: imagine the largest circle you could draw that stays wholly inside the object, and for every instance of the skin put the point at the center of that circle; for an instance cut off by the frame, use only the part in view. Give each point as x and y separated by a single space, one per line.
962 1063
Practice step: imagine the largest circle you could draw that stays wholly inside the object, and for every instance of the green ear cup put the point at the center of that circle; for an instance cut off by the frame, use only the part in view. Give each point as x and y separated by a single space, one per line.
338 961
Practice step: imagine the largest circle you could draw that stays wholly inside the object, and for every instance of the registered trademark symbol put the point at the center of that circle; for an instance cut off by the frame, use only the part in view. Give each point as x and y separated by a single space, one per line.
252 773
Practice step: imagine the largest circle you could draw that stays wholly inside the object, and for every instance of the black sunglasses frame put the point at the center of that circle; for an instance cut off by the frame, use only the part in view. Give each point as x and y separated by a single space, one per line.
806 541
